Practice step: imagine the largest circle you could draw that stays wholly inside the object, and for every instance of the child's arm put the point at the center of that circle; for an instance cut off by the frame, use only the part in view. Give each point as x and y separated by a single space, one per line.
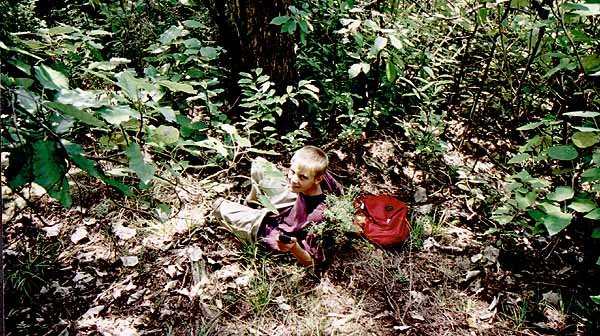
297 251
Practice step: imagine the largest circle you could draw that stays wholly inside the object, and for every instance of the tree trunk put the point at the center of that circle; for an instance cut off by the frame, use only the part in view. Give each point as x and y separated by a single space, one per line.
251 41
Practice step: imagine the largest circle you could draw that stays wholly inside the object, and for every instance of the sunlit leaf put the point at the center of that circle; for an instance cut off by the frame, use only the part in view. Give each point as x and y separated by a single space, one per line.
145 171
177 87
530 126
583 205
519 158
118 114
193 24
79 98
585 139
561 193
555 220
395 42
279 20
50 78
592 174
170 34
378 45
76 113
354 70
583 114
563 152
28 100
525 201
596 298
209 52
168 113
165 135
594 214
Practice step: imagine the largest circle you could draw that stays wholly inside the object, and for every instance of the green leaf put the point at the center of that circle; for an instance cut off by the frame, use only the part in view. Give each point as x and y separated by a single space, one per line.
210 143
76 113
592 174
170 34
116 115
395 42
561 193
555 220
583 114
596 299
50 78
280 20
591 63
563 152
585 139
594 214
519 158
79 98
596 233
586 129
28 100
165 135
583 204
192 43
525 201
265 202
168 113
49 171
378 45
530 126
193 24
177 87
143 170
20 169
354 70
209 52
390 71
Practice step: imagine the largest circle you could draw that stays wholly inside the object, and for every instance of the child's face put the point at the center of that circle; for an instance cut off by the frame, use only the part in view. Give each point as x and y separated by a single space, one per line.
302 180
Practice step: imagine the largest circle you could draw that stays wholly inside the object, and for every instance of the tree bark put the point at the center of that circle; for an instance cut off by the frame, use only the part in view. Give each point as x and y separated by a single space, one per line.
251 41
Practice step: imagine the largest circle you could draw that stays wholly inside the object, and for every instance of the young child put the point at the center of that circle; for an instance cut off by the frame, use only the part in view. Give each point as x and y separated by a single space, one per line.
300 201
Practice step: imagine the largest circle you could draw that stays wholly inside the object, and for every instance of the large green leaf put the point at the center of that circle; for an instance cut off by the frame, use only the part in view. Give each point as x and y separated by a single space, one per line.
555 220
145 171
585 139
76 113
563 152
354 70
596 299
116 115
49 170
592 174
209 52
594 214
561 193
378 45
525 201
50 78
76 153
28 100
583 204
176 87
164 135
20 169
170 34
279 20
79 98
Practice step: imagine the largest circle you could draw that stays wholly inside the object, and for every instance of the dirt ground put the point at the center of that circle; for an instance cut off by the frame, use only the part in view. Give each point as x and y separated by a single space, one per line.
108 267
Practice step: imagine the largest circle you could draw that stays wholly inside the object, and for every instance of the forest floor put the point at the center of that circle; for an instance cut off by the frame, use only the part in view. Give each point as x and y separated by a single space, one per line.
106 267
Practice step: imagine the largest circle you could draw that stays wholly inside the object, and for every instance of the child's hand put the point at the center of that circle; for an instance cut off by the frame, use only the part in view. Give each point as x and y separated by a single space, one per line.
286 247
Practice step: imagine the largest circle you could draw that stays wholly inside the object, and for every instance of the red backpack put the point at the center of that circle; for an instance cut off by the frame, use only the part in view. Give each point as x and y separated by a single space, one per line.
383 219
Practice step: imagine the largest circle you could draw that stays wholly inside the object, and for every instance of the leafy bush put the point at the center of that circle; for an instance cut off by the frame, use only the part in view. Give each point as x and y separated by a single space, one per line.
338 220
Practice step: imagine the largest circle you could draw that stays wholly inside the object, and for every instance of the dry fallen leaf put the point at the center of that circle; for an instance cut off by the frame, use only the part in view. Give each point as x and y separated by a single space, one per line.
129 261
79 234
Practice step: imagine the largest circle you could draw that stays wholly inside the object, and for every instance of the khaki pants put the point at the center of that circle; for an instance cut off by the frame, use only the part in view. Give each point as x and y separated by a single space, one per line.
270 184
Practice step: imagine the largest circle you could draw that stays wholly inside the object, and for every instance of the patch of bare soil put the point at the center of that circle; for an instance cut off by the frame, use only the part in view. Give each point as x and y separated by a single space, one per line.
108 267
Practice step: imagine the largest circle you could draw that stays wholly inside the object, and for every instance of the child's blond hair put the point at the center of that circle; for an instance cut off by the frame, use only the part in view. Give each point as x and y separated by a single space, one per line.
312 159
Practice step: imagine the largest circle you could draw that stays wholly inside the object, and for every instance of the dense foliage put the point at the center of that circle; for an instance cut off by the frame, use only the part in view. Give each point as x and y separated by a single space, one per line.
137 93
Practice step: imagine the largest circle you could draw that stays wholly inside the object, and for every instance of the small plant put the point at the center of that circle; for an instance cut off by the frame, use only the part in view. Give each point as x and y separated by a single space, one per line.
338 219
